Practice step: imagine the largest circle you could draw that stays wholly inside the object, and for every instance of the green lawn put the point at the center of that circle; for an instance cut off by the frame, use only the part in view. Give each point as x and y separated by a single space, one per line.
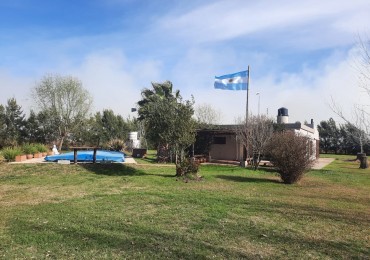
116 211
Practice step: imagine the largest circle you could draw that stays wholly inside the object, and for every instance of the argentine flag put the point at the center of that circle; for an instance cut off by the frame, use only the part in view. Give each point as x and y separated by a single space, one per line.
235 81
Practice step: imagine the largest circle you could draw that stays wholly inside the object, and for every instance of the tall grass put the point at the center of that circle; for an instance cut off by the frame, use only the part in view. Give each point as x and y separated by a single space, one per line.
9 153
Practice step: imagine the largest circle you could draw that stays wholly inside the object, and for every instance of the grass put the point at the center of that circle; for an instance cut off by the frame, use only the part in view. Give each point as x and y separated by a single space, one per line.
117 211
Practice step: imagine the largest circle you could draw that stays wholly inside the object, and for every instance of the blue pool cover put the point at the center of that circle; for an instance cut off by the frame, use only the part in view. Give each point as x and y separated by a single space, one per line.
87 156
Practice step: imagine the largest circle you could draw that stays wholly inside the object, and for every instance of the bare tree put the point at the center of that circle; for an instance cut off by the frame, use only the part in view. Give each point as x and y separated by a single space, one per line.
359 118
255 136
207 115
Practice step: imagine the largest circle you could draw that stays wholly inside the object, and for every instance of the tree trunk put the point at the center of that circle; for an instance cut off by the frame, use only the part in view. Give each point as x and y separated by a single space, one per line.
61 143
163 153
363 161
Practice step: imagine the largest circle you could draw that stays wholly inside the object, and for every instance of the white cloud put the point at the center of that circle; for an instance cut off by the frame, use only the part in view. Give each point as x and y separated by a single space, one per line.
307 93
115 82
15 87
225 20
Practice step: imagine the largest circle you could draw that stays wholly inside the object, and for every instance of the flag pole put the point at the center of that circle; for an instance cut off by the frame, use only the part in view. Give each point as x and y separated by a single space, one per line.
246 116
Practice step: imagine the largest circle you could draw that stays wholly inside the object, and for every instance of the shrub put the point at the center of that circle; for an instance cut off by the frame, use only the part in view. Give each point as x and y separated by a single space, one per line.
40 148
10 153
116 144
188 168
291 154
29 149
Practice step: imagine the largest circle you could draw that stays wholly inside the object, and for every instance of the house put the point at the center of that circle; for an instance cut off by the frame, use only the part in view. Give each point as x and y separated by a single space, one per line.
221 142
305 129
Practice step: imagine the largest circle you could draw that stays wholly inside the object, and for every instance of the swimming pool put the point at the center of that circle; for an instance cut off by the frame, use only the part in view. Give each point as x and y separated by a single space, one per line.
87 156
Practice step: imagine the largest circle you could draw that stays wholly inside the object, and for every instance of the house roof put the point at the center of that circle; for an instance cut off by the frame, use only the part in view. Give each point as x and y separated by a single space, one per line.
219 129
231 129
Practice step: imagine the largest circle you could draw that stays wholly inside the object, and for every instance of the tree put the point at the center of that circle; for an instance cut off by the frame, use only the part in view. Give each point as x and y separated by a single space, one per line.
32 129
360 118
353 140
329 136
2 126
255 136
167 120
206 115
291 154
14 123
65 98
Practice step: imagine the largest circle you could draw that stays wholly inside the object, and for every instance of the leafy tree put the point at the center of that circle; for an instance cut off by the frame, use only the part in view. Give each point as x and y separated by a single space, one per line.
48 126
65 98
329 136
353 140
167 120
114 127
14 123
2 126
104 127
32 130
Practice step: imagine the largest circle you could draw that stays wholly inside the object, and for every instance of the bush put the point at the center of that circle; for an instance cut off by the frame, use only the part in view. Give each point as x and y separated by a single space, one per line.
40 148
116 145
29 149
10 153
291 154
188 168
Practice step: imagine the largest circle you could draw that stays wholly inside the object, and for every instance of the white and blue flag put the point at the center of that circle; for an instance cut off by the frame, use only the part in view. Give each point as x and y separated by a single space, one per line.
235 81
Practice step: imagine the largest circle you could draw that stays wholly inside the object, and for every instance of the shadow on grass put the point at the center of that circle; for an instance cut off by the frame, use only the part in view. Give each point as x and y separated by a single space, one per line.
246 179
114 169
150 160
267 169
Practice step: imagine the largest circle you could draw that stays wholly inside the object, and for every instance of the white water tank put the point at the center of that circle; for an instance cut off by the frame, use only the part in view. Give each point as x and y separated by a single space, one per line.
132 136
283 117
133 141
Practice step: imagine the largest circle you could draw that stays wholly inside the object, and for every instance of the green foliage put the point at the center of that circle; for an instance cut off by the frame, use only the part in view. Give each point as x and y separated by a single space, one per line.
11 124
40 148
345 139
2 125
291 154
329 136
9 153
188 168
29 149
167 119
105 126
65 99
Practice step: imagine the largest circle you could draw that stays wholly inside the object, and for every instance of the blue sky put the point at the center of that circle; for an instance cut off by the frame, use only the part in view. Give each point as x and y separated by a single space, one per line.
300 52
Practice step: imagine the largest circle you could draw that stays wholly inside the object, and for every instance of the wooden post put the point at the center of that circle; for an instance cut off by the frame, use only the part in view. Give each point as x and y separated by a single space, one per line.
94 155
75 155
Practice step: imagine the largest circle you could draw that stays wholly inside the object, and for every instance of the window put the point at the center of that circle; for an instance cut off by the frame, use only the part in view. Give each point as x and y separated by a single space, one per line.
219 140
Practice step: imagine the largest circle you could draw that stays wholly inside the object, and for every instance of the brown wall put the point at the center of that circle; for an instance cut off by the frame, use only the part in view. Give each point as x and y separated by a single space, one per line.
232 150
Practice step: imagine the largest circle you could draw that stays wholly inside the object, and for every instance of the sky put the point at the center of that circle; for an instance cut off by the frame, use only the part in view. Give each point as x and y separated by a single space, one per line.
300 53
